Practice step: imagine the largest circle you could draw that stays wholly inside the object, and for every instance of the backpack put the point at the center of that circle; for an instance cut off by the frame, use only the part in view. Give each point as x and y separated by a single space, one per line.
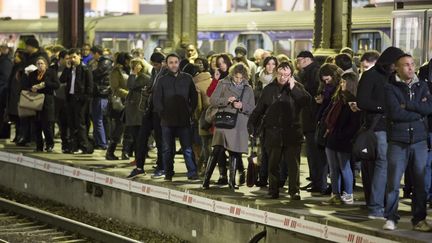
365 145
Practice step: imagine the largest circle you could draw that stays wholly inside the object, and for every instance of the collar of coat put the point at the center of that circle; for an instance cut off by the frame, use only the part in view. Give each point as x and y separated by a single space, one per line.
413 81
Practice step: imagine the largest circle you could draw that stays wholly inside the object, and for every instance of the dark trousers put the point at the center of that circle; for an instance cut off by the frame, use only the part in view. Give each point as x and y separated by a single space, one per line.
62 121
117 127
289 155
130 139
77 124
48 131
149 123
367 172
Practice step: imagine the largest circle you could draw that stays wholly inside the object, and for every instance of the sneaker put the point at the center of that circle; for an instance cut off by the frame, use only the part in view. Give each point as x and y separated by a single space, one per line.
347 198
334 200
193 178
390 225
158 174
422 226
135 172
376 216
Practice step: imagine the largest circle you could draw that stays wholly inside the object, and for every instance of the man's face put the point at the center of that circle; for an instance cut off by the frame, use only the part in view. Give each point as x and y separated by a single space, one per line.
405 68
64 60
86 50
173 64
302 62
283 75
365 65
191 51
95 55
75 59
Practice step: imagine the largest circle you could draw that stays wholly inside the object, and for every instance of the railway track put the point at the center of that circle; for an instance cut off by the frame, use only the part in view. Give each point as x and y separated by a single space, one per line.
21 223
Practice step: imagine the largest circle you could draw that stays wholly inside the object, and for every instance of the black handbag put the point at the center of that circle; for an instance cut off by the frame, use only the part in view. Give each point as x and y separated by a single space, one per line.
365 144
320 135
225 119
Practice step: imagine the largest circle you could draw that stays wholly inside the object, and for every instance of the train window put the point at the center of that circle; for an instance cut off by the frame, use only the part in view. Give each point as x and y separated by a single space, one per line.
107 43
408 35
204 46
301 45
252 42
122 45
220 46
283 47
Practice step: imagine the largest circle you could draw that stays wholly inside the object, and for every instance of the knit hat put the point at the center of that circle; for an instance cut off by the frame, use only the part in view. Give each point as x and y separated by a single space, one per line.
32 42
390 55
157 57
305 54
240 50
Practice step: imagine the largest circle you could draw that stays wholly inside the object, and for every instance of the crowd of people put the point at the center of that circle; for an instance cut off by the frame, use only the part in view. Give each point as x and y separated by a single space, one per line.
219 104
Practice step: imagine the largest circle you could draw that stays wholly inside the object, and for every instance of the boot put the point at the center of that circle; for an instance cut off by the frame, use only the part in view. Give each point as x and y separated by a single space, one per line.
211 164
223 179
242 173
110 152
232 172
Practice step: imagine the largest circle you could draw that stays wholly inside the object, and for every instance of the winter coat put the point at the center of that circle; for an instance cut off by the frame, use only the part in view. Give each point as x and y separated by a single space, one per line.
175 99
202 82
15 87
47 114
101 74
235 139
83 88
6 66
310 79
118 82
279 109
407 107
136 99
346 126
425 74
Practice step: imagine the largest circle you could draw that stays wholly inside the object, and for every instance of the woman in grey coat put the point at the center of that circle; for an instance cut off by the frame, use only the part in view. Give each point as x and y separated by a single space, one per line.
228 97
138 85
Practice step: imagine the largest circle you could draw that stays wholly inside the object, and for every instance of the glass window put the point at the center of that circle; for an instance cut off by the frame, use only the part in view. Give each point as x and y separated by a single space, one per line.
220 46
408 35
430 40
282 47
301 45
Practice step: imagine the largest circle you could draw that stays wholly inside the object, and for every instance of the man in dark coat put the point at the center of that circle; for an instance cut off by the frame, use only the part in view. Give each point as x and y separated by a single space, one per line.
370 100
175 99
6 66
407 102
309 77
79 89
151 122
279 110
34 51
101 91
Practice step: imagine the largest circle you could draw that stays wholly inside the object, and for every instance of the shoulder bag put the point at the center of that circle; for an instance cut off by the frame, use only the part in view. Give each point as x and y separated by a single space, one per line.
31 100
225 119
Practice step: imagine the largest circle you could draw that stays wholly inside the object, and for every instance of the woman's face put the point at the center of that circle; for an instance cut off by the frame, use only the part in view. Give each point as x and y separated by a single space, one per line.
200 65
327 79
238 78
41 65
270 66
343 84
222 65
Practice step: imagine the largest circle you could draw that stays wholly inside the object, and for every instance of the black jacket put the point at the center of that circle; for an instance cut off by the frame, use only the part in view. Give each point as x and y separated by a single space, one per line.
101 74
31 58
278 109
83 82
51 84
175 99
407 107
425 74
309 77
5 72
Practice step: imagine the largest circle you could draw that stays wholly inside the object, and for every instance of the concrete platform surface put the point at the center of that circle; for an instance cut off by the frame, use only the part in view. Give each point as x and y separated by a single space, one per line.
310 207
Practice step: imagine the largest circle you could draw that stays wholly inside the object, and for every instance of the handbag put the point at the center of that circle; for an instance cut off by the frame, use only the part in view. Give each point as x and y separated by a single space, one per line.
365 144
117 103
320 135
24 112
31 100
225 119
203 124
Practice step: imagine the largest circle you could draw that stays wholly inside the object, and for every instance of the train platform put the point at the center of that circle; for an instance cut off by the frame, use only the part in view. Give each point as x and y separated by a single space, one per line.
308 217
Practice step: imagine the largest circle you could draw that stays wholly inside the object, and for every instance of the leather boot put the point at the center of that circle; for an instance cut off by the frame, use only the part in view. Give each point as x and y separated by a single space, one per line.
211 164
223 178
232 172
110 152
242 173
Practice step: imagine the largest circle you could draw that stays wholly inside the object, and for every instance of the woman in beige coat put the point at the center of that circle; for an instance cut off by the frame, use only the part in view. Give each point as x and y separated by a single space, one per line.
228 97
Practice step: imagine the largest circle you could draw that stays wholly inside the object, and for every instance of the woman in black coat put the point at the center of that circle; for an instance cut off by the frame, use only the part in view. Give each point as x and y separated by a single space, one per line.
45 81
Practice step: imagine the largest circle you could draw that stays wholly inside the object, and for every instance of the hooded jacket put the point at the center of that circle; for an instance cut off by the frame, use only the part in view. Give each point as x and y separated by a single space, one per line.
370 98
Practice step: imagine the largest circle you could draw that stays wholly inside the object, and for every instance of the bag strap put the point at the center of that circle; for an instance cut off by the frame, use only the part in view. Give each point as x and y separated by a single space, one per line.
375 121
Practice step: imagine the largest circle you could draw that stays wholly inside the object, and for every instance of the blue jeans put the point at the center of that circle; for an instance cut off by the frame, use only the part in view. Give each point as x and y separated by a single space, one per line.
339 163
317 162
400 156
168 141
379 177
99 108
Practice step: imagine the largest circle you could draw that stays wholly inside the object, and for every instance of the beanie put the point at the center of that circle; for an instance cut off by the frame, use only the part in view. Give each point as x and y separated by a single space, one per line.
32 42
390 55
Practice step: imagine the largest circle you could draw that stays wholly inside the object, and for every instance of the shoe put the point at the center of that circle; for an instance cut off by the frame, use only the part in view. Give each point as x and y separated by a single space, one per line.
376 216
295 196
37 150
158 174
49 149
406 194
261 183
422 226
211 165
347 198
313 189
167 178
193 178
232 173
136 172
334 200
390 225
21 142
99 147
306 187
133 163
66 151
110 156
272 196
124 156
222 181
308 178
242 178
327 191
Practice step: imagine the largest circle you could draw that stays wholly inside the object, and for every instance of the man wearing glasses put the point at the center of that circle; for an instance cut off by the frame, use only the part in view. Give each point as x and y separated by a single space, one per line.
277 114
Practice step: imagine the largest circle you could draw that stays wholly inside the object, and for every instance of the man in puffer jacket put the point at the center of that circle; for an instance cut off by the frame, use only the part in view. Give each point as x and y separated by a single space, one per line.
407 102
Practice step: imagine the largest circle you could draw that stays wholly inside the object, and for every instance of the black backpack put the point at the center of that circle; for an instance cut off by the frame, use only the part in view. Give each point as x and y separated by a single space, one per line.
365 145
